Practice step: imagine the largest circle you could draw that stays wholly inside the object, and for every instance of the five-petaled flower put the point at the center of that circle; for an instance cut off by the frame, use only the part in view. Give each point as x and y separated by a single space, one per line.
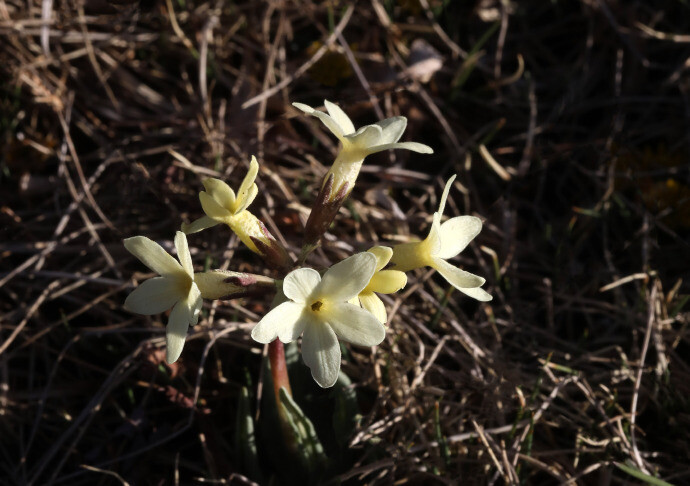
444 241
382 282
357 144
318 307
174 288
222 205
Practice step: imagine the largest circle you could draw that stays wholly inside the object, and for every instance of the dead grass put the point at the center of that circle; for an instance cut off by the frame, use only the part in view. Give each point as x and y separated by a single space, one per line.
567 123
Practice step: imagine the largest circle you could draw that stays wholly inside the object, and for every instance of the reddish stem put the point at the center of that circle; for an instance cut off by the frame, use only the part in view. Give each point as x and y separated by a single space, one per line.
276 354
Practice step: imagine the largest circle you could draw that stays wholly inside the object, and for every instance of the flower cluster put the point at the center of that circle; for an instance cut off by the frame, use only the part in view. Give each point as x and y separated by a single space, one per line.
340 302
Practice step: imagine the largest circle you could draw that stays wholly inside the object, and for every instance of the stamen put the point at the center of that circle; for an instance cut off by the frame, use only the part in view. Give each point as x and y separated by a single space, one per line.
316 306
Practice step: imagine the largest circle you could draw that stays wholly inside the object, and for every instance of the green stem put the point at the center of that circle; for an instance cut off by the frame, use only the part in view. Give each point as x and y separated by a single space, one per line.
306 250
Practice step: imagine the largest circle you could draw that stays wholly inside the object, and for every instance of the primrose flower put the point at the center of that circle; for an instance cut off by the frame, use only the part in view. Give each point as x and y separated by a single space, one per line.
221 205
356 145
318 307
382 282
174 288
444 241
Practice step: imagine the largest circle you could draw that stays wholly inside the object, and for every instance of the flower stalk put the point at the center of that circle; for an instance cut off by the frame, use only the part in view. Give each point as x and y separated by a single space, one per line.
276 356
281 380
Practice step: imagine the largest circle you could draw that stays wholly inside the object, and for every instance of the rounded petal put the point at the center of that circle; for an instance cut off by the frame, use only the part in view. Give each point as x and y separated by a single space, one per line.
365 138
284 320
330 123
299 284
459 279
183 253
340 117
200 224
154 296
456 234
420 148
153 256
383 255
371 302
288 334
220 191
321 353
347 278
248 183
387 282
392 128
477 293
176 331
212 208
355 325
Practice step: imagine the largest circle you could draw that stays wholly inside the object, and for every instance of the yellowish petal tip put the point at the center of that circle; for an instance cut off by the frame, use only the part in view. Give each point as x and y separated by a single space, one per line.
207 183
444 196
383 255
302 107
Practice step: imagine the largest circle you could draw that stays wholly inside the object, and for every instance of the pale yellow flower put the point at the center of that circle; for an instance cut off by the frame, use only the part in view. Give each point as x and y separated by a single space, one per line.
174 288
319 307
222 205
444 241
382 282
357 144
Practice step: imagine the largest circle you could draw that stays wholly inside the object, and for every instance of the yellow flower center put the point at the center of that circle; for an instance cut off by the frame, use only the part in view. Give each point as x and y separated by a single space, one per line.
182 284
316 306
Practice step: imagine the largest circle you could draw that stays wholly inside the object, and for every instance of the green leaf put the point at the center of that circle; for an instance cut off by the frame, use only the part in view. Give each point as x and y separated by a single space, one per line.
469 64
440 438
245 439
346 413
636 473
309 446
